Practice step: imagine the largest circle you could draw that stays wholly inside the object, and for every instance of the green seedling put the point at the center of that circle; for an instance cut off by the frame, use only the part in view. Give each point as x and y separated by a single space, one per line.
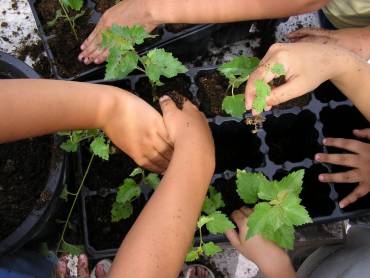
278 207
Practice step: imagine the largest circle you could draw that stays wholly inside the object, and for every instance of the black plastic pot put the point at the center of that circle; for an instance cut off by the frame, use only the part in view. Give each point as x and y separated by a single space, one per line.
36 221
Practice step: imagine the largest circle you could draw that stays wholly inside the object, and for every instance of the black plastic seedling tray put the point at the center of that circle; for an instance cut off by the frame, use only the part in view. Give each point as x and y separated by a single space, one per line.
194 40
290 137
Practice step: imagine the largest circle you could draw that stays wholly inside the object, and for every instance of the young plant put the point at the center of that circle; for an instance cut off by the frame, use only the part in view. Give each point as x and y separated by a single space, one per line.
237 71
278 207
129 191
65 4
123 58
216 223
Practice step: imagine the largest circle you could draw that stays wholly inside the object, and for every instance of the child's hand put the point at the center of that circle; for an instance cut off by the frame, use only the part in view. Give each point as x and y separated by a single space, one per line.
359 159
138 130
307 65
354 39
271 260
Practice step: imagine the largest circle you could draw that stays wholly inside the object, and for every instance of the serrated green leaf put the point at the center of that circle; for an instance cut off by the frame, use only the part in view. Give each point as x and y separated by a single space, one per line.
121 211
158 62
294 213
213 202
219 224
203 220
268 191
248 185
192 256
262 91
73 4
152 180
72 249
292 182
259 220
211 249
278 69
100 148
137 171
234 105
69 146
120 64
128 191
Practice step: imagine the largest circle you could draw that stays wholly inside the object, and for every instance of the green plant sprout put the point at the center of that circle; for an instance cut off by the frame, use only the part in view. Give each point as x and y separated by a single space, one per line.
278 207
65 4
129 191
123 58
216 223
237 71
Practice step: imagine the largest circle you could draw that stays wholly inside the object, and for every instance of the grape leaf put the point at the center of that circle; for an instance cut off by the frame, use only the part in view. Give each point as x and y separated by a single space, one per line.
248 185
211 249
137 171
73 4
259 220
121 211
69 146
278 69
219 224
292 182
128 191
158 62
120 64
192 256
213 202
262 91
234 105
100 148
72 249
152 180
294 213
203 220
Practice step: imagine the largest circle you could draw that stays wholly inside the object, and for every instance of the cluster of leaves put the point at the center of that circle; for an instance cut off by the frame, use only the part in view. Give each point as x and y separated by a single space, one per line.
75 5
216 223
129 191
237 71
279 209
99 144
123 58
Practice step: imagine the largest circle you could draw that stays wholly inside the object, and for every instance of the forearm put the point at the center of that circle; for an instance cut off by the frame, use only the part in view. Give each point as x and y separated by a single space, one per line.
37 107
160 238
354 82
216 11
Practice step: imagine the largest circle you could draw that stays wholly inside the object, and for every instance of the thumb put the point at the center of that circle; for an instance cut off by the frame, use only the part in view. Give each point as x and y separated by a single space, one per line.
167 105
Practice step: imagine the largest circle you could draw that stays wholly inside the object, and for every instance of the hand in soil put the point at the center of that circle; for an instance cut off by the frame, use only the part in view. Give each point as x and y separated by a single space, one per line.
354 39
73 266
270 259
126 12
139 131
358 159
307 65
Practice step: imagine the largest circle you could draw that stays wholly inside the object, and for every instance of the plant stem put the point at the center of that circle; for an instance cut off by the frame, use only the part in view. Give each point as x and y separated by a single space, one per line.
69 19
74 203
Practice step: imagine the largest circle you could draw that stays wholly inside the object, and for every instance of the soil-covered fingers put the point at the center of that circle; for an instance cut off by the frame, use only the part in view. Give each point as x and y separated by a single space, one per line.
91 44
350 176
361 190
362 133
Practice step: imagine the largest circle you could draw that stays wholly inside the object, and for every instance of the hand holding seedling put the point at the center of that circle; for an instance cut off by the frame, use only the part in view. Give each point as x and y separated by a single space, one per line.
271 260
358 159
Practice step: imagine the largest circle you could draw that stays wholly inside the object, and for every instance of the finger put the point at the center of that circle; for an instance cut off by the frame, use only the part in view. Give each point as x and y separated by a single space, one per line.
61 269
241 221
349 160
83 266
307 32
362 133
167 105
246 211
97 52
342 177
163 148
157 159
359 192
90 42
150 165
346 144
102 57
90 49
233 237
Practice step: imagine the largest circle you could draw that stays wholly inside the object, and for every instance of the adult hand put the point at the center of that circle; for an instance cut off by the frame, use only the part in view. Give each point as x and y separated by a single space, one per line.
307 65
354 39
138 130
126 12
358 159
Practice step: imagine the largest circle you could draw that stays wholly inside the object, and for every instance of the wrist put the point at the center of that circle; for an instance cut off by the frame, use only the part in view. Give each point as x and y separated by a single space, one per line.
109 99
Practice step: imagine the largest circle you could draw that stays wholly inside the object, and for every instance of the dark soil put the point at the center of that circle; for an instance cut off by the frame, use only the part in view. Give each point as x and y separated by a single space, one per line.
292 137
107 174
102 233
236 147
229 195
103 5
64 45
24 169
177 88
176 28
327 92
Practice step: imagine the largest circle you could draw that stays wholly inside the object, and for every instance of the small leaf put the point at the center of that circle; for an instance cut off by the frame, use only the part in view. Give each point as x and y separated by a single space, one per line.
259 222
292 182
262 91
234 105
64 194
294 213
121 211
72 249
192 256
203 220
278 69
248 185
152 180
73 4
69 146
120 64
137 171
100 148
128 191
219 224
211 249
213 202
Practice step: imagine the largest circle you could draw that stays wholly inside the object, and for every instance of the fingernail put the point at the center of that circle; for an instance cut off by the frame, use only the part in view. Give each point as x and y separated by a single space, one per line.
341 205
96 61
164 98
82 47
325 141
321 178
317 157
80 58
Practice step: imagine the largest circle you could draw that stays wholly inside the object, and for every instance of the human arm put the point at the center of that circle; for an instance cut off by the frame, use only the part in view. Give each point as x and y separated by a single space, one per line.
150 13
157 243
356 40
271 260
37 107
